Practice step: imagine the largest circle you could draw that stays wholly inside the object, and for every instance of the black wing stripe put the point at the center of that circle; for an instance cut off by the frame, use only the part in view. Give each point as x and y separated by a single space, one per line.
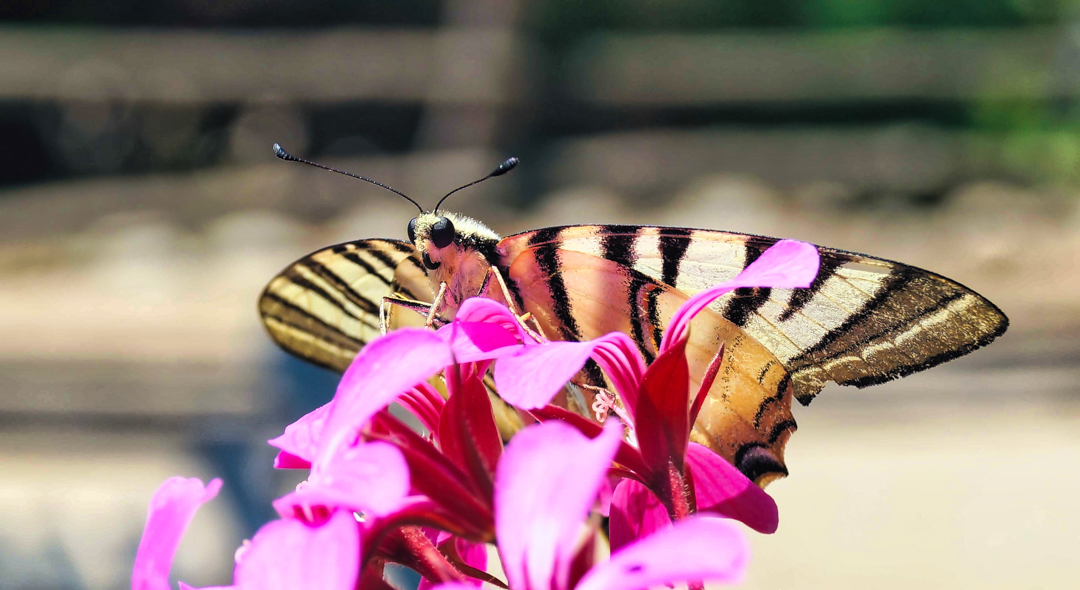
618 244
800 297
547 258
320 270
894 282
299 318
933 361
674 242
747 300
654 319
355 258
776 398
318 291
382 257
544 236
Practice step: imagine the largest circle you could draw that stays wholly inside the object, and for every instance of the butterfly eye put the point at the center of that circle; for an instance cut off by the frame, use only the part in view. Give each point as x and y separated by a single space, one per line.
442 232
412 230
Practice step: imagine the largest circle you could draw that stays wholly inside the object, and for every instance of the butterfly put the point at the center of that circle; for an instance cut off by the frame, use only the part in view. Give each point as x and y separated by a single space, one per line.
863 321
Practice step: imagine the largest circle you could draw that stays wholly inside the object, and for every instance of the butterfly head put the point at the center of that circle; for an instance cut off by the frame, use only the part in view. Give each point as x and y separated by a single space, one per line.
447 241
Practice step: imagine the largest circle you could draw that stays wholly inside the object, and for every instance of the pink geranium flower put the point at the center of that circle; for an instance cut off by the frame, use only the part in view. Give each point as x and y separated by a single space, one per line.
546 483
282 554
172 507
667 477
288 554
352 445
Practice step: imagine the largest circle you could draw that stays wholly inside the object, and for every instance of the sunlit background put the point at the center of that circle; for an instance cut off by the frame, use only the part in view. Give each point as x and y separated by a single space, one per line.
141 212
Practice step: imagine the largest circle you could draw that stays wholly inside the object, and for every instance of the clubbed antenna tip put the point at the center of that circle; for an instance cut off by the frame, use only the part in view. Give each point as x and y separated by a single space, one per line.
503 168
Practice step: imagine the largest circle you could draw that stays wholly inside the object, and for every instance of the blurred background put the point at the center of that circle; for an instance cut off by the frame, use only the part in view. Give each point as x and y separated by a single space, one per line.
141 212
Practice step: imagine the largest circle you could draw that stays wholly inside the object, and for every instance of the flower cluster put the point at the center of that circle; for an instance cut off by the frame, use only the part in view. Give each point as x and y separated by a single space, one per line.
378 492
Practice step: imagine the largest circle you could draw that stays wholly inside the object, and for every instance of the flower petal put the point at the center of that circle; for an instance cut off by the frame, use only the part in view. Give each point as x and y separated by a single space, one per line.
545 484
372 478
627 456
385 368
533 376
434 476
300 442
662 415
468 435
788 264
288 554
721 488
482 330
172 507
694 549
635 513
482 309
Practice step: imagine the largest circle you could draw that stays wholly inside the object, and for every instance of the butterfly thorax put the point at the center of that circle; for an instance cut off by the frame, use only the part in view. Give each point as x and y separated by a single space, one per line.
463 264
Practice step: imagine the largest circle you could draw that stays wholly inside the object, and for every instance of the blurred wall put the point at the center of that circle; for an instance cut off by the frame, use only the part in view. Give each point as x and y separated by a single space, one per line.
141 211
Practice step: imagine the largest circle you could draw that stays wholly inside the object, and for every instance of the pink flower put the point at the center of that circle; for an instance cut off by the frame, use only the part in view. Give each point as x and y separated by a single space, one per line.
546 483
362 458
288 554
346 471
283 554
345 442
683 478
172 507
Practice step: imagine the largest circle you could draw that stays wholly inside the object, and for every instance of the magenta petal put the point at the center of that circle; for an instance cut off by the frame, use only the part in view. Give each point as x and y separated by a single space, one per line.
468 434
473 554
300 442
788 264
484 330
533 376
721 488
546 483
382 370
372 478
172 507
477 341
662 422
184 586
286 460
288 554
694 549
482 309
635 513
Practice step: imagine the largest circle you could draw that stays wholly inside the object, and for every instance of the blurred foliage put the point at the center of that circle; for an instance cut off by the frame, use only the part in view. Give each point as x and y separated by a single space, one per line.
1041 139
562 20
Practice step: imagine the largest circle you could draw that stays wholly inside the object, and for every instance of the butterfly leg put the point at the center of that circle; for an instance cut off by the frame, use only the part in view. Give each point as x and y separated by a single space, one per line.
535 331
433 312
420 307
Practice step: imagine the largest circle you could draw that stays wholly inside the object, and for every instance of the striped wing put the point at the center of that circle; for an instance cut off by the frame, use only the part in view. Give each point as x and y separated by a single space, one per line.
325 306
863 321
737 420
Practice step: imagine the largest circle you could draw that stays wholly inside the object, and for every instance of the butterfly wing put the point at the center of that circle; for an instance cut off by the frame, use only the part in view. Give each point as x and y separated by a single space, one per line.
587 296
324 307
863 321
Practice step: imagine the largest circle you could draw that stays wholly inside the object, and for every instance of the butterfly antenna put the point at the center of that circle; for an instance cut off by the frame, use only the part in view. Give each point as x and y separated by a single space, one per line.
503 168
284 155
